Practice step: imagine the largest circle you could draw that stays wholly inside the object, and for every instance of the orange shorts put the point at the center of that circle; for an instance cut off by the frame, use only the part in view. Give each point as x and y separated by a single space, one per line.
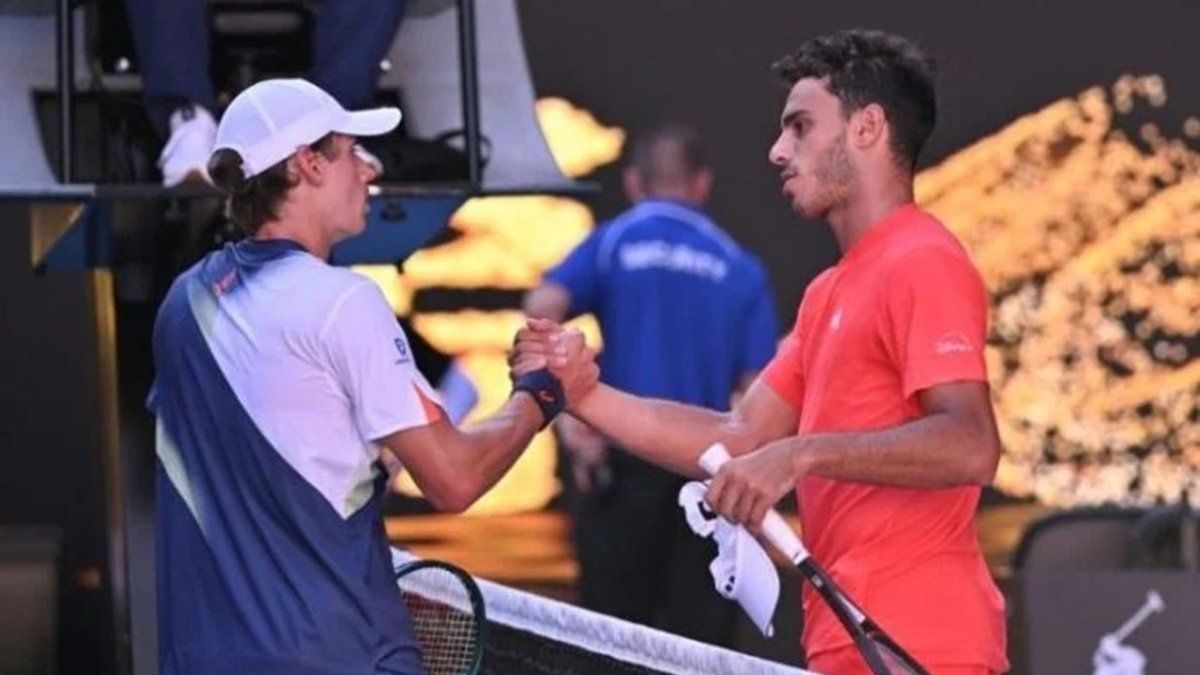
849 661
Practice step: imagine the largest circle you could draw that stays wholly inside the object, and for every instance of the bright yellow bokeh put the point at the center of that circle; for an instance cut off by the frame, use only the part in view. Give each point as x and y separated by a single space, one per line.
1088 240
507 243
1090 245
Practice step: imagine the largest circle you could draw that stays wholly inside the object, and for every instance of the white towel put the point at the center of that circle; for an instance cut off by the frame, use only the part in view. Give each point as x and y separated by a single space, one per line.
742 570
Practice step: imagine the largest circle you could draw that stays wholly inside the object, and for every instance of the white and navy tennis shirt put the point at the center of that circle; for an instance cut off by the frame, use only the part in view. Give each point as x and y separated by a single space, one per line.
274 373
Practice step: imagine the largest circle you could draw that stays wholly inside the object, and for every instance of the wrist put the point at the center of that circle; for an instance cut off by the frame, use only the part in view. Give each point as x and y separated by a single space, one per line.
544 390
801 458
527 407
578 407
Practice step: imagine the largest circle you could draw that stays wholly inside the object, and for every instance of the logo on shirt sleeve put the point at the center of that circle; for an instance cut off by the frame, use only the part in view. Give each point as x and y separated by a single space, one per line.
402 349
836 322
222 285
953 343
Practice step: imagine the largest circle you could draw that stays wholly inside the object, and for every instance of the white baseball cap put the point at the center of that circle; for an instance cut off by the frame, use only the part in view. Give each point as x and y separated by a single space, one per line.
270 120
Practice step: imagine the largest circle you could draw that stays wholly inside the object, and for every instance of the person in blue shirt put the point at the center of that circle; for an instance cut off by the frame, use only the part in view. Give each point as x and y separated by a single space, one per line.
687 315
285 391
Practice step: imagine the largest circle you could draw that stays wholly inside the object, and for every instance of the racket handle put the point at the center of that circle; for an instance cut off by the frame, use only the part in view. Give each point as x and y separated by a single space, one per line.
774 528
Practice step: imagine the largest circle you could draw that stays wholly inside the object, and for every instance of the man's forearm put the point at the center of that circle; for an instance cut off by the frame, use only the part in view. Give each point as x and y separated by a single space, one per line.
495 443
931 452
669 434
454 467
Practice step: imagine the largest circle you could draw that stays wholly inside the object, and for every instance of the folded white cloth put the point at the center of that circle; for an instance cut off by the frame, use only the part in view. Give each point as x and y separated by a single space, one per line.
742 570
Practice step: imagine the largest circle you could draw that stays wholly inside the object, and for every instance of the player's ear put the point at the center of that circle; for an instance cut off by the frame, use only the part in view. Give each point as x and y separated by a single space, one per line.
635 189
306 165
868 126
700 186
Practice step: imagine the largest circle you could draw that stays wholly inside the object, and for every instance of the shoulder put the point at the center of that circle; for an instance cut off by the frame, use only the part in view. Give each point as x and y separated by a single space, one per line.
321 283
654 217
358 311
176 302
322 294
630 225
932 266
349 291
817 288
820 283
750 268
930 249
213 273
625 223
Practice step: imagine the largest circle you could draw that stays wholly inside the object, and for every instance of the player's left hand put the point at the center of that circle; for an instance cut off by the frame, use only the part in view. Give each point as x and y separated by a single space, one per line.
747 486
542 343
563 351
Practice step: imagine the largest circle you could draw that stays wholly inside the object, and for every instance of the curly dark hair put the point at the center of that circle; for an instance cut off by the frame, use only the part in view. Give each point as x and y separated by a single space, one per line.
861 67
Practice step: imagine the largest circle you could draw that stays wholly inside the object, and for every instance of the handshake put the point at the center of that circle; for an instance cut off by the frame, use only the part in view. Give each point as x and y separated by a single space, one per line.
543 345
557 368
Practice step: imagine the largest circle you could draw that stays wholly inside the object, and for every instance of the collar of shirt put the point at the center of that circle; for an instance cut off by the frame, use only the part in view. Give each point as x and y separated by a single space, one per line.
879 233
691 206
259 251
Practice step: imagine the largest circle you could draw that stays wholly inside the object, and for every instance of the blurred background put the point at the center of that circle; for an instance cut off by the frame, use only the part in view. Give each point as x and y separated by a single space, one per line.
1065 158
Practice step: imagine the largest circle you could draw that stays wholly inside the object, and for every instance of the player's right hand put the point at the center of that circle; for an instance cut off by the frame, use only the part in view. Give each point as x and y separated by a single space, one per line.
564 351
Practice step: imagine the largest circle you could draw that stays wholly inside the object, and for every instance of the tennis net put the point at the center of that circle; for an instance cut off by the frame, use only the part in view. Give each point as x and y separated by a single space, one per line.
531 635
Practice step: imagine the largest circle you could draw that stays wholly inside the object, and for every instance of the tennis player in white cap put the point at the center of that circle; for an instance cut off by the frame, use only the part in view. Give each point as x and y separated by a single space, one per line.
282 386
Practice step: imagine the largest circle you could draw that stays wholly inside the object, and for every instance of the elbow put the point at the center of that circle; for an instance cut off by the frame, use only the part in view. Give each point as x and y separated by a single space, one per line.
450 501
453 496
985 458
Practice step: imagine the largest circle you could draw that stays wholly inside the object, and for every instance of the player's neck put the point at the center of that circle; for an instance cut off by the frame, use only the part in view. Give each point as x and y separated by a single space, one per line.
863 211
313 239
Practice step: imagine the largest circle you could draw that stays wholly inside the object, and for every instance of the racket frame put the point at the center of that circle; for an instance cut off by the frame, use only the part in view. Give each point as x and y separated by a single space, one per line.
862 628
478 607
856 622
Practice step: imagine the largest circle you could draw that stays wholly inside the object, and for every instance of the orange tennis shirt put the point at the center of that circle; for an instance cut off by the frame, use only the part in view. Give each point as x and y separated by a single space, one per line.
902 311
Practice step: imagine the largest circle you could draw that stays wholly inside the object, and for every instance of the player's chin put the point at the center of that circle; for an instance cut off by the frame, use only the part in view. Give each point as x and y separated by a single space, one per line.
812 206
806 208
355 224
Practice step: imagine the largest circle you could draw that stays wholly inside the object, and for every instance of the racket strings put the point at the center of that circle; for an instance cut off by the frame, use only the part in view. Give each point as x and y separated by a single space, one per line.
447 634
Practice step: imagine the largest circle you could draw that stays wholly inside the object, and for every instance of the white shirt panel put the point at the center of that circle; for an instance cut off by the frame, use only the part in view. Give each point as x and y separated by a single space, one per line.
313 354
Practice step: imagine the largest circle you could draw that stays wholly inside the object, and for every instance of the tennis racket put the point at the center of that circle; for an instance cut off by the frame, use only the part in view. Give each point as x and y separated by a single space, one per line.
882 654
447 614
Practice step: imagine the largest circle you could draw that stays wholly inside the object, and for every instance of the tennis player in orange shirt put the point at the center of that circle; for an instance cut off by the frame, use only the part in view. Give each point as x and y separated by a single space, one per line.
876 408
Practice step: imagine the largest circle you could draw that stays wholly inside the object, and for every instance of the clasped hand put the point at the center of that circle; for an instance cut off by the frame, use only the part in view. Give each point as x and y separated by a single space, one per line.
563 351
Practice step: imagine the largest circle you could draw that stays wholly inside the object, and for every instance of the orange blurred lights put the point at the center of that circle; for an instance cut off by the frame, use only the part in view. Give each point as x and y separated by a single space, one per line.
1089 243
578 142
507 243
1091 248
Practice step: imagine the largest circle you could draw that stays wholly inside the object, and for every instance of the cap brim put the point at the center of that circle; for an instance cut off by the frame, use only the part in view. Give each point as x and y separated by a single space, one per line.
371 122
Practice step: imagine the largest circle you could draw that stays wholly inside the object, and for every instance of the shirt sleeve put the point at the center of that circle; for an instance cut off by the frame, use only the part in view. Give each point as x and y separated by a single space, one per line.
371 359
785 373
762 326
581 274
935 320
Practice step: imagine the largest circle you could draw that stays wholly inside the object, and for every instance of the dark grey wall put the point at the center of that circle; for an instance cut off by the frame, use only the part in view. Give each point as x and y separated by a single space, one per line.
637 62
50 471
